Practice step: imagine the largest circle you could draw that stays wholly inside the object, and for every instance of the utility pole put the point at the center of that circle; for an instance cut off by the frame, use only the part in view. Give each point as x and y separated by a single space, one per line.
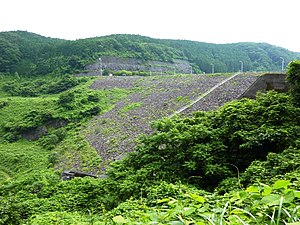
282 63
100 60
242 66
212 68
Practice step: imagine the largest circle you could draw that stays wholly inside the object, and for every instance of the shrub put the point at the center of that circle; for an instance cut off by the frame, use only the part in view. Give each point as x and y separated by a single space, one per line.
93 98
273 167
50 140
181 149
3 104
123 73
252 128
29 121
33 88
63 84
209 147
11 136
90 112
66 99
293 77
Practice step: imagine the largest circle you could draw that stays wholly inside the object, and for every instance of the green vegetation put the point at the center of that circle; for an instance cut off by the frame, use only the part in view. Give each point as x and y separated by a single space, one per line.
293 77
131 106
39 86
129 73
239 164
28 54
52 118
19 156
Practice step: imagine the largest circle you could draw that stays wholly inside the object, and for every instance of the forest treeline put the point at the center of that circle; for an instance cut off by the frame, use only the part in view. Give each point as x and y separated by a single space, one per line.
30 54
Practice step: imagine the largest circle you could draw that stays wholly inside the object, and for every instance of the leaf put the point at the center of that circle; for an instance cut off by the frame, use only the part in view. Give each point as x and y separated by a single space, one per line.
197 198
255 196
271 199
205 208
200 223
188 211
289 197
172 202
281 184
153 217
252 189
163 200
242 195
296 223
176 222
297 194
237 212
267 190
119 219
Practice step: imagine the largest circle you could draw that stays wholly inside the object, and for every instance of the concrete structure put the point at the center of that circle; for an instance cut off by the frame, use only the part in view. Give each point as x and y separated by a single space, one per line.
267 82
132 64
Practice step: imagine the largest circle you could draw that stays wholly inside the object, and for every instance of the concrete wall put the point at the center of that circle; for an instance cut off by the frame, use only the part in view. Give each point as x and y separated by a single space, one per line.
265 83
131 64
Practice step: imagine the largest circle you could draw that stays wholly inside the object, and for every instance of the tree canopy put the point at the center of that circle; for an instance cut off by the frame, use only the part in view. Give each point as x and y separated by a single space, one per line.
293 77
31 54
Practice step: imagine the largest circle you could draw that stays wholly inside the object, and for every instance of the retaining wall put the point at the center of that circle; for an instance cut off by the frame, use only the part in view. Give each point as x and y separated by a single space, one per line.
267 82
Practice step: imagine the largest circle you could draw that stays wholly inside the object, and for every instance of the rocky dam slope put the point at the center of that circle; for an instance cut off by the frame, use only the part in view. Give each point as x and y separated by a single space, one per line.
113 133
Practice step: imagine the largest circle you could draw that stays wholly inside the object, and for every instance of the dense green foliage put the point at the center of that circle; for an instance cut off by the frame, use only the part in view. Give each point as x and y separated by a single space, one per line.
30 54
53 119
237 165
293 77
39 86
227 57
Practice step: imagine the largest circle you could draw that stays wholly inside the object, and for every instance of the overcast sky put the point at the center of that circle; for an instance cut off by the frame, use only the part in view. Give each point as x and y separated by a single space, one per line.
216 21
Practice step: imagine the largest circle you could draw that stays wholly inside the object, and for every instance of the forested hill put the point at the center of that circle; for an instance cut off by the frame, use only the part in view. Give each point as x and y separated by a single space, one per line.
31 54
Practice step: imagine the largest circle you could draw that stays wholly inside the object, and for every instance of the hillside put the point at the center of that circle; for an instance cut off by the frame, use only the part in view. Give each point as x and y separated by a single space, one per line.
205 156
238 164
32 54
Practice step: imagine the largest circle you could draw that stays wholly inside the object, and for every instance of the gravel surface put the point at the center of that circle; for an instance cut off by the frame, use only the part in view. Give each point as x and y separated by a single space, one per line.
229 91
113 134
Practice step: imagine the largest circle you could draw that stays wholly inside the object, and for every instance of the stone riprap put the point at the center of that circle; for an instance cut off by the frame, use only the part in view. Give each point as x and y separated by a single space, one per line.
113 133
229 91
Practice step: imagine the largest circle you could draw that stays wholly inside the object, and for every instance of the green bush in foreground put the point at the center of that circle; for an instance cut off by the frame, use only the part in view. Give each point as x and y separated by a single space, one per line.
80 201
258 204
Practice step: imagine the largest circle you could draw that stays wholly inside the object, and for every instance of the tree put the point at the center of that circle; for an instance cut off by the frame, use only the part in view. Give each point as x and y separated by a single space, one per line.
9 55
293 77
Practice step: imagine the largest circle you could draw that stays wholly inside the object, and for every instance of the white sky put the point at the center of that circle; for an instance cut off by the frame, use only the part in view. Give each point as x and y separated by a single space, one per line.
216 21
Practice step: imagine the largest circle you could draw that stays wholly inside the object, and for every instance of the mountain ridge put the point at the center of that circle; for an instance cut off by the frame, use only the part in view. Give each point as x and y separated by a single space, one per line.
32 54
